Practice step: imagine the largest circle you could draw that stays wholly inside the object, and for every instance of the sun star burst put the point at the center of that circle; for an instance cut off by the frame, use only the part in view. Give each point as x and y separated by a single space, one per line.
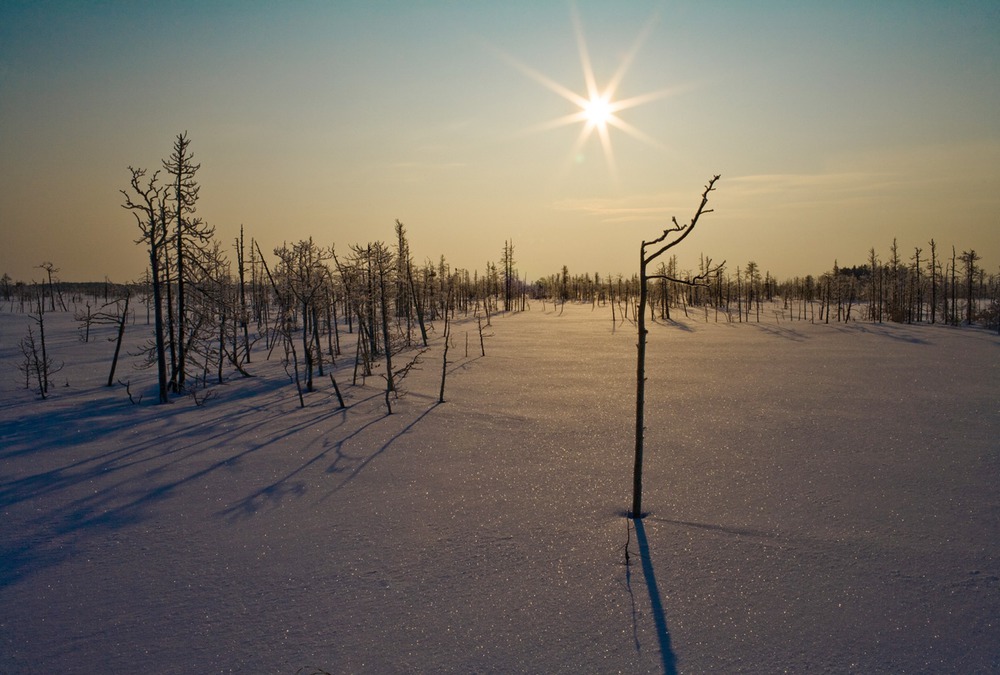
597 108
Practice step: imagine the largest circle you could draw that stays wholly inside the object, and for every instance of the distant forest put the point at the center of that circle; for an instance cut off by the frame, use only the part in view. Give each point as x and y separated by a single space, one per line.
211 302
923 288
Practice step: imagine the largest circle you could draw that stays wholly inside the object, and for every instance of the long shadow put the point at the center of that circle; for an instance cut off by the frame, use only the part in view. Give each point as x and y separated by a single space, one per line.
739 531
360 467
779 331
122 493
894 332
674 323
655 601
287 486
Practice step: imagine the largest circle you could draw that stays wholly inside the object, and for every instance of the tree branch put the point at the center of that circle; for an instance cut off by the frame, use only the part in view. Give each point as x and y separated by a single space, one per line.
685 230
698 280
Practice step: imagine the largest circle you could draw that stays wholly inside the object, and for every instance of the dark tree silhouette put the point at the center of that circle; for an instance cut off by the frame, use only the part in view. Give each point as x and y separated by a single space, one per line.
508 275
36 358
969 260
150 216
190 235
302 277
671 237
932 268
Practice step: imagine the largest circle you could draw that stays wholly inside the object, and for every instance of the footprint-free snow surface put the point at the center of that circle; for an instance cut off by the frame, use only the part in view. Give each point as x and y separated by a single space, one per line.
821 498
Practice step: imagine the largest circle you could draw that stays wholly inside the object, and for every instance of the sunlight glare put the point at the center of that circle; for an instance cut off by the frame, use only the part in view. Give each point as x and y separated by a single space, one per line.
598 111
597 108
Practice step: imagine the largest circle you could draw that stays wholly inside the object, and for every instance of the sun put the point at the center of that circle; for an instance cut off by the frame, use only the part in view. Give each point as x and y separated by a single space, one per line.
598 111
597 108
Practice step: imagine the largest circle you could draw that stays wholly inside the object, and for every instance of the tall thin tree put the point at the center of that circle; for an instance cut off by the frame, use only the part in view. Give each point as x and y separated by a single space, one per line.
189 234
969 259
150 216
671 237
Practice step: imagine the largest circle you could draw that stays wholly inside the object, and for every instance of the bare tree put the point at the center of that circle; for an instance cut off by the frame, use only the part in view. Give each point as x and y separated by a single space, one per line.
36 358
447 342
50 269
190 234
408 297
86 320
146 203
969 259
244 315
918 289
932 268
119 334
671 237
382 259
302 276
509 275
954 288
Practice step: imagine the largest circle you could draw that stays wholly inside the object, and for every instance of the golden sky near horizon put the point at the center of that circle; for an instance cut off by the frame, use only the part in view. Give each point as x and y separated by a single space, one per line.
836 127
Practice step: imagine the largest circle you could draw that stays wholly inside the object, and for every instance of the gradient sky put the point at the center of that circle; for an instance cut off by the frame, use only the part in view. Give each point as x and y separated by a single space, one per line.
836 126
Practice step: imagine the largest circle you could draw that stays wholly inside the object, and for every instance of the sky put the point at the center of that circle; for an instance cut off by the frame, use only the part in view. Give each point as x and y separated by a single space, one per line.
836 128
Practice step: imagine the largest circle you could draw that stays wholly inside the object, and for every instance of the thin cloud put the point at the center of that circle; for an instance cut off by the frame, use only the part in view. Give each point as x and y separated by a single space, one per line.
639 208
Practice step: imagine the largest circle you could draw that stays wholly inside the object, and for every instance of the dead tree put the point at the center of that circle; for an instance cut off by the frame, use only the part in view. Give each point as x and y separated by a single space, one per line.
189 234
244 315
671 237
150 216
932 269
110 314
447 341
51 269
302 275
508 275
36 358
120 333
969 260
383 260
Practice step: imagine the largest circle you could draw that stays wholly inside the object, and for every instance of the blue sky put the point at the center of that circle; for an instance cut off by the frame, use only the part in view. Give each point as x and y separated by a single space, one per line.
836 128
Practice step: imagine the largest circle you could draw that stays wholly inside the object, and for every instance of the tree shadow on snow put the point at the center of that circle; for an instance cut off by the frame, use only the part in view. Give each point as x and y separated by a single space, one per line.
286 486
113 488
385 446
667 656
292 485
684 327
779 331
893 332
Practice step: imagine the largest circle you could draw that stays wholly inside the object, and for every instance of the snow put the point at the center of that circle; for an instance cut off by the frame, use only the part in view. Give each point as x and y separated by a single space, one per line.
821 498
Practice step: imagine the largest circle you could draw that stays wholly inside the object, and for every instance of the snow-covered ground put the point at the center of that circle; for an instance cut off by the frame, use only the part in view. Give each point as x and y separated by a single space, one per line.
822 498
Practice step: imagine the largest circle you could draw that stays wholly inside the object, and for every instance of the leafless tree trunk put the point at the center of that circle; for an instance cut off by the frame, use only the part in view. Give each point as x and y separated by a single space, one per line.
36 357
933 269
665 242
118 341
188 233
954 289
150 217
50 269
969 260
447 341
244 315
381 264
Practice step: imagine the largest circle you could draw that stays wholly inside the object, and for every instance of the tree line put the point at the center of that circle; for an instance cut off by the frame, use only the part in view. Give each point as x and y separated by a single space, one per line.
214 308
211 304
927 287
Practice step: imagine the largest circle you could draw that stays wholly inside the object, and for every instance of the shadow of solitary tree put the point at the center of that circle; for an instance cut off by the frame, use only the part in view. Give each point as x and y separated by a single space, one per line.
667 656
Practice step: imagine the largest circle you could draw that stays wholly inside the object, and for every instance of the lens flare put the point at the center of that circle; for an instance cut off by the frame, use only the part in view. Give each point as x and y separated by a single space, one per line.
598 108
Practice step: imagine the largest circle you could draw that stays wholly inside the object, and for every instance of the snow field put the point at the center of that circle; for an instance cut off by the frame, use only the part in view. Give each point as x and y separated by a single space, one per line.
820 497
